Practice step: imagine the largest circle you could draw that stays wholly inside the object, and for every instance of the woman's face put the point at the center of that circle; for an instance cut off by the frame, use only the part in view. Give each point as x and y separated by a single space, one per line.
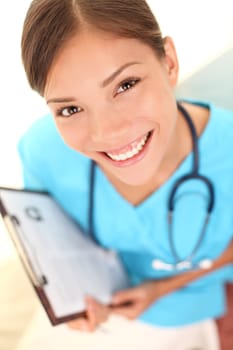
112 100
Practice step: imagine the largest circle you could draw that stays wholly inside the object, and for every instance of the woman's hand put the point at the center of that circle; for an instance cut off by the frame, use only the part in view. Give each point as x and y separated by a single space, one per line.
96 313
129 303
227 255
132 302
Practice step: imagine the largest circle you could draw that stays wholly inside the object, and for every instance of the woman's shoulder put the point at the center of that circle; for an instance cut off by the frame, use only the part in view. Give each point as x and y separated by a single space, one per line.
42 143
216 142
40 133
220 119
221 123
223 114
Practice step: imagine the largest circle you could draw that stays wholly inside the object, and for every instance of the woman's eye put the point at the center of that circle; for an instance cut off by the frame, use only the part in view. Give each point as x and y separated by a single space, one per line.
127 85
68 111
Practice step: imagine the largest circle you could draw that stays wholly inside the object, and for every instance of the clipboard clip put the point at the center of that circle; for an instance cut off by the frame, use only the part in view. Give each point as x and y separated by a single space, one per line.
33 213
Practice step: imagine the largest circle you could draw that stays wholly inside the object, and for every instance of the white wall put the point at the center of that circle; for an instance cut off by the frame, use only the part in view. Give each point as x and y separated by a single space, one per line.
202 29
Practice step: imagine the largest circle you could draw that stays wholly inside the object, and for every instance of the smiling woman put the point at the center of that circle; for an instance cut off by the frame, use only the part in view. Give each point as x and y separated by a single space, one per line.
126 95
109 83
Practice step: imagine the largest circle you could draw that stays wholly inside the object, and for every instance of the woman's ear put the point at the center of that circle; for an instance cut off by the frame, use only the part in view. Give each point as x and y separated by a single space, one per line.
171 61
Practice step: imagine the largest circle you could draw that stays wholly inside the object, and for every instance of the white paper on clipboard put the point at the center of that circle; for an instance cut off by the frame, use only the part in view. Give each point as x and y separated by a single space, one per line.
68 260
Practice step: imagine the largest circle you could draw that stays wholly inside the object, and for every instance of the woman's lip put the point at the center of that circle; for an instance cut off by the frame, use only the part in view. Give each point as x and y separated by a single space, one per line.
127 147
131 161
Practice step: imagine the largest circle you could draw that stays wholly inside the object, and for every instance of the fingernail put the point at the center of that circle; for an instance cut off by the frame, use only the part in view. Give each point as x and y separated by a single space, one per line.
90 306
83 327
114 300
89 300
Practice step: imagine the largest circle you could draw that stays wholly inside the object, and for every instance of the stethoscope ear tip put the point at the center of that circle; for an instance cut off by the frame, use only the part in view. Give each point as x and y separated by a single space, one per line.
158 264
205 264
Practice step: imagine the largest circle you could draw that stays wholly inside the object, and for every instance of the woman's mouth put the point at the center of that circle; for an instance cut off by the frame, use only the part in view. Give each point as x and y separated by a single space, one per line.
130 153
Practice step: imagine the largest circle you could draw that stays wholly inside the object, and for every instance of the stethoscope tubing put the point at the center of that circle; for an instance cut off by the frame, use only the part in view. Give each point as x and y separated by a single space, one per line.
193 175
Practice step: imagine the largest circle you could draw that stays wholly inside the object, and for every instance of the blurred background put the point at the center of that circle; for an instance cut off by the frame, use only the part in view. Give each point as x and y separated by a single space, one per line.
203 35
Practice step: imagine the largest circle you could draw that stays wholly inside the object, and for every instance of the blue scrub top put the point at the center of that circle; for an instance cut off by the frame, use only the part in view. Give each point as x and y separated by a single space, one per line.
140 233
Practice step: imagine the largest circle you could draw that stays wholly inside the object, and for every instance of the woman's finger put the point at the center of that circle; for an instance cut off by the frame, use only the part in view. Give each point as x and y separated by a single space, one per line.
126 296
130 312
97 313
81 324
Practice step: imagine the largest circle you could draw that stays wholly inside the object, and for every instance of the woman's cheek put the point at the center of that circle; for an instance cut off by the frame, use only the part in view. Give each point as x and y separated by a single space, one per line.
72 134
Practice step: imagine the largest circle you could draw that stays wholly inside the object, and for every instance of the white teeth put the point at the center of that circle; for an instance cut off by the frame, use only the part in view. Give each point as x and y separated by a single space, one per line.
136 149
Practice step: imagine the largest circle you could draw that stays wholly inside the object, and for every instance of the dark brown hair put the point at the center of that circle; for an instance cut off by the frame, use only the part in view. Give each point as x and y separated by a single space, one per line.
51 23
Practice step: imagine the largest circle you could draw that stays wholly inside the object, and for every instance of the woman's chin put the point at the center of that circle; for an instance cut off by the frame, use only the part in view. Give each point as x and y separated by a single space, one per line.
136 178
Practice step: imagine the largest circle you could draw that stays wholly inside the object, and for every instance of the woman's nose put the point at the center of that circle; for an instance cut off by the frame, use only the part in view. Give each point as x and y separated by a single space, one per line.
108 125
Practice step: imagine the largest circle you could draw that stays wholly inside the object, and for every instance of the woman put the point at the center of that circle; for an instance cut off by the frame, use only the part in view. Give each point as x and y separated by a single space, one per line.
108 78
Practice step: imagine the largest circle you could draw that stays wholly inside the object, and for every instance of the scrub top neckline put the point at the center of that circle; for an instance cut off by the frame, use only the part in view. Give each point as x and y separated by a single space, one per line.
177 172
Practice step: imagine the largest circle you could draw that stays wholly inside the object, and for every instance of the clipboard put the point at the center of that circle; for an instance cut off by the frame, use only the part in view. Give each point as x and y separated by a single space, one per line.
62 262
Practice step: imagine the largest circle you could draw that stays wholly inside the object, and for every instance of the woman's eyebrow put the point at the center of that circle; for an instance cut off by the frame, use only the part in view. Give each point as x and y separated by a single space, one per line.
108 80
61 100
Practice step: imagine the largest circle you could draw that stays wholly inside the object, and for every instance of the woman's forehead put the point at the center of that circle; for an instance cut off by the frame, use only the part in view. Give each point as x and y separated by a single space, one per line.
96 56
99 49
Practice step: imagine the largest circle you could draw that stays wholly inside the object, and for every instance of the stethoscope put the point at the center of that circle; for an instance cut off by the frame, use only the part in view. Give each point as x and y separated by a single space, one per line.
179 264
